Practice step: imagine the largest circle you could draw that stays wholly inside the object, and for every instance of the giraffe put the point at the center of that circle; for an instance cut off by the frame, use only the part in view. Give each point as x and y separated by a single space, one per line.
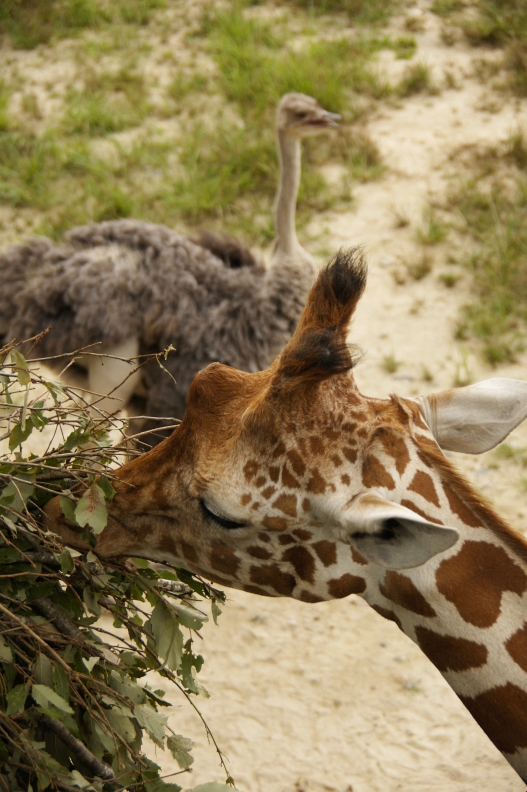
290 482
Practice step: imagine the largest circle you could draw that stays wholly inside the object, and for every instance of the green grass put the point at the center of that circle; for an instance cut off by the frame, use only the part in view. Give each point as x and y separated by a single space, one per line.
416 79
432 232
445 7
501 23
493 205
257 68
364 12
29 23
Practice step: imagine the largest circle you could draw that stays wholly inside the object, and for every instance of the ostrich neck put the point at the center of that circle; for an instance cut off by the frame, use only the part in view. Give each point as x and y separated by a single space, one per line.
285 204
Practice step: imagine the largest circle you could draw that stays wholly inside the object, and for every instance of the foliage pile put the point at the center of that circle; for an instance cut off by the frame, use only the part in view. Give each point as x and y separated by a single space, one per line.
74 700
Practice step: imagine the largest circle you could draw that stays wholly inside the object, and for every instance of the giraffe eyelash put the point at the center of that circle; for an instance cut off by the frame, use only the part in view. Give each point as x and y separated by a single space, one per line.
223 522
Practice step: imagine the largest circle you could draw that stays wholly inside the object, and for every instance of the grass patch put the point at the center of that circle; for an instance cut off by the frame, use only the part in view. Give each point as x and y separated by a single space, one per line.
389 364
501 23
364 12
416 79
446 7
432 232
493 204
256 67
29 23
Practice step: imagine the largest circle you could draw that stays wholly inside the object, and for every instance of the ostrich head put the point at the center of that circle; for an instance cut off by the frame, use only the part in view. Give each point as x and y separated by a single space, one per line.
300 115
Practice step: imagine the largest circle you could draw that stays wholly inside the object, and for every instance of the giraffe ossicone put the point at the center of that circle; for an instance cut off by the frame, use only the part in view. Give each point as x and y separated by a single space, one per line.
290 482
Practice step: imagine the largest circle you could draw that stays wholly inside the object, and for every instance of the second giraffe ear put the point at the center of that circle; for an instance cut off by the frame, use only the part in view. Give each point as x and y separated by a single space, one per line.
391 535
476 418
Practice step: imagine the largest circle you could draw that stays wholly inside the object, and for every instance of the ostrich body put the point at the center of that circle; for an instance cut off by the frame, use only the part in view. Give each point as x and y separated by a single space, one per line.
137 287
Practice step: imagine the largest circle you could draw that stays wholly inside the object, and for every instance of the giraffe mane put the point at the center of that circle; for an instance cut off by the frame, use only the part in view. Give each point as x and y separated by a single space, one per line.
433 456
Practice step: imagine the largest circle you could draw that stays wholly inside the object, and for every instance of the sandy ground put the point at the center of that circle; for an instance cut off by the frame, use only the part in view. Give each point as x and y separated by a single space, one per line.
331 697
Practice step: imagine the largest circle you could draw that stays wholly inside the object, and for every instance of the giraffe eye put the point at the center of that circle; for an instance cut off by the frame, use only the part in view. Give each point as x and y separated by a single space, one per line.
217 519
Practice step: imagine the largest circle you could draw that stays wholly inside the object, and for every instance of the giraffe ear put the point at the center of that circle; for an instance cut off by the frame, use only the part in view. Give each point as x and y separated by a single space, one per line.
476 418
391 535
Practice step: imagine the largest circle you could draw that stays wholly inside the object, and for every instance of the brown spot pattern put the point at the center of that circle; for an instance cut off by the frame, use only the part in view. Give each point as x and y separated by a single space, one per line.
411 505
350 454
517 647
297 463
286 539
357 557
345 480
274 473
374 474
402 591
475 579
189 551
502 714
337 461
302 561
422 484
264 537
245 499
316 445
286 504
260 481
451 654
223 558
387 614
302 534
316 484
458 507
345 585
307 596
288 480
256 551
279 451
250 470
306 505
326 551
396 448
275 523
268 492
255 590
271 575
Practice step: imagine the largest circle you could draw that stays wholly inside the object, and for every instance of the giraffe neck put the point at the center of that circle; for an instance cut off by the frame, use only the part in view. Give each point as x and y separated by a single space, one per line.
289 153
466 608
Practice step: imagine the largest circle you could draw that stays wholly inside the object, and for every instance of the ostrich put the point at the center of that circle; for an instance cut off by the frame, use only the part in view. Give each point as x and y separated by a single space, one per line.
138 287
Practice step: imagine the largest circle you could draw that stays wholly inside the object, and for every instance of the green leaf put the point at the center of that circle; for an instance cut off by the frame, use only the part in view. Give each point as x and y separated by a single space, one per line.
106 487
44 695
169 638
180 748
22 490
8 555
68 508
215 612
61 682
92 602
91 509
6 654
152 721
22 369
19 435
66 561
16 698
189 617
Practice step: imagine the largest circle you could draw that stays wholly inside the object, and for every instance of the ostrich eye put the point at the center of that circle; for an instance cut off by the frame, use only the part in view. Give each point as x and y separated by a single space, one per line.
217 519
301 116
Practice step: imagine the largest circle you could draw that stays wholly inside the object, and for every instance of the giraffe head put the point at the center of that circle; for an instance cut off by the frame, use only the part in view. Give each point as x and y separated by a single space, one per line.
289 481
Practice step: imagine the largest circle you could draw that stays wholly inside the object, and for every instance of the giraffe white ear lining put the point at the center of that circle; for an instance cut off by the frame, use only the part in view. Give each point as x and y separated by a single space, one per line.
391 535
404 544
476 418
